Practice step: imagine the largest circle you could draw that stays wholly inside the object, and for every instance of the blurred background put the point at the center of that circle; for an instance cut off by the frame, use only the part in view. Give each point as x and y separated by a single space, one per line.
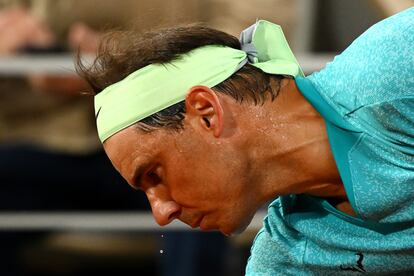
63 209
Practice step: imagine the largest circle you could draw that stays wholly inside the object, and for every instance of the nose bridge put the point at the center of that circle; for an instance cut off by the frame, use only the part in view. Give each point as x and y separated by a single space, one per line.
164 209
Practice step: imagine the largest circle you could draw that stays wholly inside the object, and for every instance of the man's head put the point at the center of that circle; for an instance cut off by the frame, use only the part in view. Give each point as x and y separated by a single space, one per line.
189 158
122 53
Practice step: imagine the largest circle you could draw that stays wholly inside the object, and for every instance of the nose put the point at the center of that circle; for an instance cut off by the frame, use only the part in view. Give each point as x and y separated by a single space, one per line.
164 210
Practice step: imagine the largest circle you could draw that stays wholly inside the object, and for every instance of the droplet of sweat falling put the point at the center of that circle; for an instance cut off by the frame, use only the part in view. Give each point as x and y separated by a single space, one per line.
162 251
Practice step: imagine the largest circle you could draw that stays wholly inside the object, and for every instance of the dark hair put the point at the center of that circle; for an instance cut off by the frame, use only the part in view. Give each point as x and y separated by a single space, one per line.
124 52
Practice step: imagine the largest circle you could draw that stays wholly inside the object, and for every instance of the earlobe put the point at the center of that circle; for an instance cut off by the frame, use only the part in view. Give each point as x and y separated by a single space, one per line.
203 105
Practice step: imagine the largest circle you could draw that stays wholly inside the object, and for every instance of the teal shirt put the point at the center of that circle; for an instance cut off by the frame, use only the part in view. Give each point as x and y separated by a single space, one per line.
366 96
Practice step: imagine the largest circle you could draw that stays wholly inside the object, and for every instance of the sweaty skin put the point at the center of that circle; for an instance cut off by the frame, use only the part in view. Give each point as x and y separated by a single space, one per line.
230 159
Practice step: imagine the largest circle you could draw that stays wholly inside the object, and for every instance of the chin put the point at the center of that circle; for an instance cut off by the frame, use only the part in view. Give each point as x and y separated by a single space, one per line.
236 230
227 227
230 233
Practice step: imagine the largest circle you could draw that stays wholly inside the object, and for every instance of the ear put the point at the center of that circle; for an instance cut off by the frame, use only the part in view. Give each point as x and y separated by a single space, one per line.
203 105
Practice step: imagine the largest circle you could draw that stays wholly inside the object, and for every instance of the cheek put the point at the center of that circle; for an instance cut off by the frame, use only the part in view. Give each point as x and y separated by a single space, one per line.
194 181
181 179
206 173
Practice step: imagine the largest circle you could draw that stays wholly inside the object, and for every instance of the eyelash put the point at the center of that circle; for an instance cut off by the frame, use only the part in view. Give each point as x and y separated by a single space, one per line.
148 178
154 178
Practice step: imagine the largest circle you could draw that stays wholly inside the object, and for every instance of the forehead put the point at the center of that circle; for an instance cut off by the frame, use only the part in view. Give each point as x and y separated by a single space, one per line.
131 147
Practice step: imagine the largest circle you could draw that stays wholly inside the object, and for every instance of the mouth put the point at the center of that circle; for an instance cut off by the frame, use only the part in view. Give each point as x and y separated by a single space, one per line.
205 227
200 222
196 223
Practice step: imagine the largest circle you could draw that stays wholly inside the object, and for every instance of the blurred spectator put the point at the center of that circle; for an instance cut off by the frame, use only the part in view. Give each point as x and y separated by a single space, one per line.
47 128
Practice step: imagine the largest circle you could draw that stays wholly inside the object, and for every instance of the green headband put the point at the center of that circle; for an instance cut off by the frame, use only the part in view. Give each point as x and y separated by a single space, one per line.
159 86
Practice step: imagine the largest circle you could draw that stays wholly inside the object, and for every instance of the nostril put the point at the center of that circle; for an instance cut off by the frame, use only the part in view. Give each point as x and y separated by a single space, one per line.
174 215
164 211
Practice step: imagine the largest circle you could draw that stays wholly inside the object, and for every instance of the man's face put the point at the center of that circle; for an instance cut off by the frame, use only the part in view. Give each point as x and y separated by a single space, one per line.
189 175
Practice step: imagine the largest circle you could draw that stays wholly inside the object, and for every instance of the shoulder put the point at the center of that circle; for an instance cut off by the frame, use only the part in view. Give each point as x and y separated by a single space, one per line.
391 122
377 67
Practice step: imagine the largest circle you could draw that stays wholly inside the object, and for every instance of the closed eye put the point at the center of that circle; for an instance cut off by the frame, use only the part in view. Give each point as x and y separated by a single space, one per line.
153 178
146 175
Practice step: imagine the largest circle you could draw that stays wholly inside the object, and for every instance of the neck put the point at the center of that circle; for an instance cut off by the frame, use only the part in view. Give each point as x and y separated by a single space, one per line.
291 153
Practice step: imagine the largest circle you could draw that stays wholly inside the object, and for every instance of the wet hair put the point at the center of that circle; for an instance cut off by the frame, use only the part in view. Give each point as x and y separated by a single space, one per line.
123 52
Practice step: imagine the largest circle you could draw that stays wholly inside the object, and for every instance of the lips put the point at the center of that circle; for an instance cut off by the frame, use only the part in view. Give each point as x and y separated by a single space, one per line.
196 223
206 227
